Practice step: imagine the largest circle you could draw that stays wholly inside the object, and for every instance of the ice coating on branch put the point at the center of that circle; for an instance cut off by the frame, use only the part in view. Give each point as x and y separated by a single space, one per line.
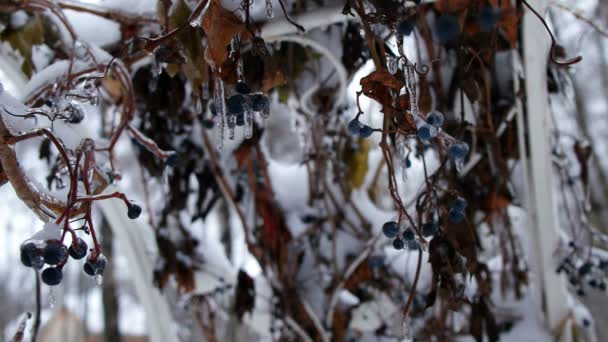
269 9
248 123
220 107
14 124
50 231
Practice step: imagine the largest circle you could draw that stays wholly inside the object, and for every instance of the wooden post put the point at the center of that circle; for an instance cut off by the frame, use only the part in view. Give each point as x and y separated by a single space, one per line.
541 204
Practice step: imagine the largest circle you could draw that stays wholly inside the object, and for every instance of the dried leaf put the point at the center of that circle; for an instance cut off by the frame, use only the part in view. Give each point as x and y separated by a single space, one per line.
355 159
220 25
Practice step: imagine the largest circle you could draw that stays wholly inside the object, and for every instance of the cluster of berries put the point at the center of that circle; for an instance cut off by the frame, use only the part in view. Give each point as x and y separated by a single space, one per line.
584 274
431 126
355 127
407 238
242 102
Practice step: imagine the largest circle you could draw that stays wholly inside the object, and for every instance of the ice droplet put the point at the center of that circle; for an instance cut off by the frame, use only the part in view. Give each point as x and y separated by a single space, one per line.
52 298
269 9
408 330
98 279
220 107
248 124
391 64
198 21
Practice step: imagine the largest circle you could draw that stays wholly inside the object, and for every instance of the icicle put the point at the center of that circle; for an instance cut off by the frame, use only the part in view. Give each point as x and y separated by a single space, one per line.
269 9
248 123
392 64
198 21
235 46
220 107
411 88
52 298
198 105
231 124
99 279
408 330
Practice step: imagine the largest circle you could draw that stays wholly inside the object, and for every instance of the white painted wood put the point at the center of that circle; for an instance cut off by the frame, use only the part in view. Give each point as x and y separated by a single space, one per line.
542 206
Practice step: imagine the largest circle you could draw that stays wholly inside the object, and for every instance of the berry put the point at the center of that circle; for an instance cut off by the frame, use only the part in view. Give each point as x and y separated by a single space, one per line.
408 162
77 115
398 243
586 322
242 88
88 269
458 151
408 234
455 216
459 204
365 131
54 252
435 119
488 17
95 267
390 229
406 27
376 261
601 286
354 126
209 124
413 245
78 250
235 104
447 28
580 292
593 283
240 120
133 211
585 268
28 252
426 132
52 276
429 229
259 103
171 160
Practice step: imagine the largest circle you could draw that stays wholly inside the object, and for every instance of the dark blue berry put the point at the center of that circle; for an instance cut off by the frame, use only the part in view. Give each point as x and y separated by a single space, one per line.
408 162
455 216
459 204
88 268
593 283
259 103
354 126
601 286
52 276
429 229
398 243
133 211
409 234
28 253
426 132
406 27
79 249
390 229
95 267
235 104
242 88
447 28
365 131
54 252
212 109
240 120
581 292
585 268
209 124
376 261
172 159
413 245
435 119
488 17
458 151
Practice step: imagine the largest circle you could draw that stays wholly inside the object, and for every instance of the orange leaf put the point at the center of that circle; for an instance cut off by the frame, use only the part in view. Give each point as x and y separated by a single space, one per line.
377 85
220 25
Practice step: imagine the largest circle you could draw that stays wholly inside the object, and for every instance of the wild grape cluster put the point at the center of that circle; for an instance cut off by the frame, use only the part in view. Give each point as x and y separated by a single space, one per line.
45 247
584 274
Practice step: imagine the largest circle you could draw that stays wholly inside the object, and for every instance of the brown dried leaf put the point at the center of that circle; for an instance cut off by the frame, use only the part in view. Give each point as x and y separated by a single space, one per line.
220 25
377 85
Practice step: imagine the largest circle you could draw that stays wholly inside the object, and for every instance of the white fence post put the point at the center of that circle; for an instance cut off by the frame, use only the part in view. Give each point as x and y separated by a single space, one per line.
542 209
